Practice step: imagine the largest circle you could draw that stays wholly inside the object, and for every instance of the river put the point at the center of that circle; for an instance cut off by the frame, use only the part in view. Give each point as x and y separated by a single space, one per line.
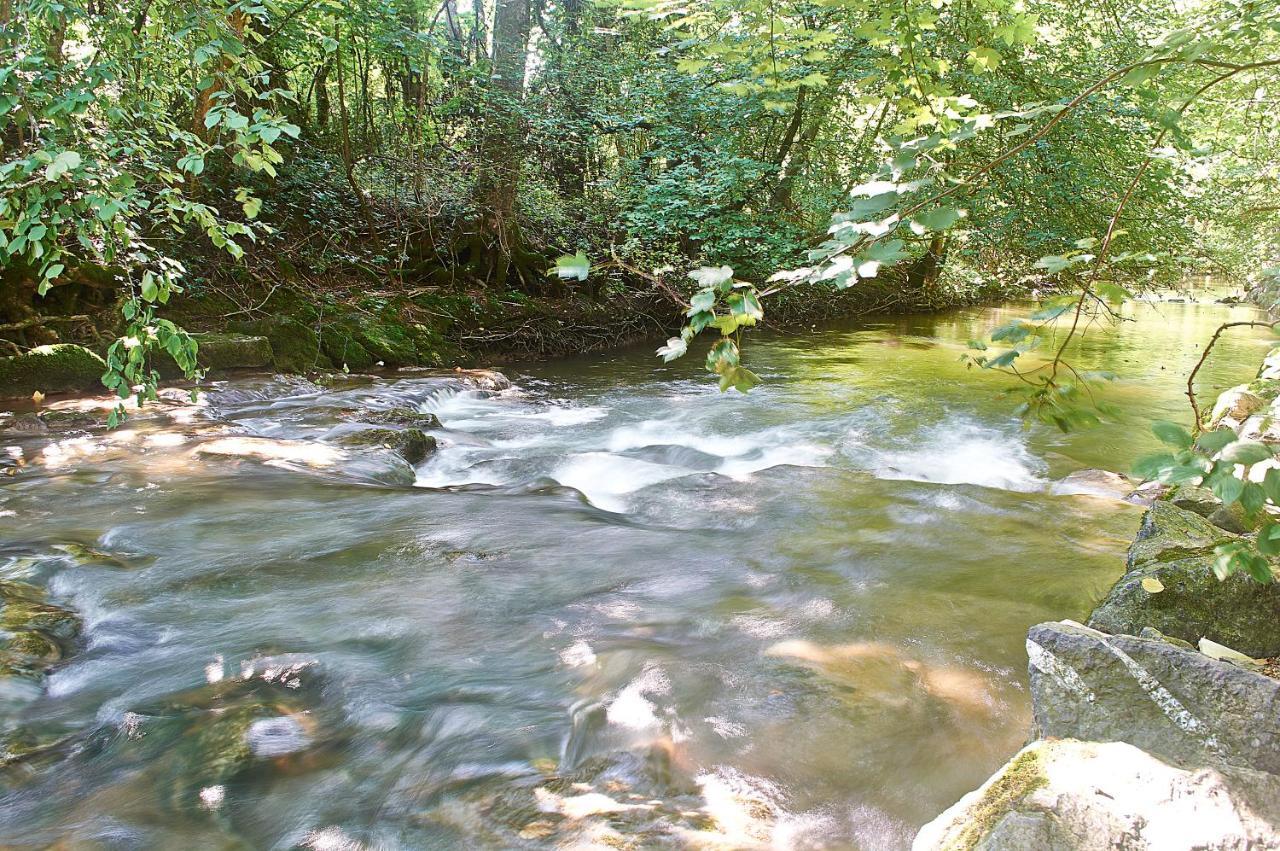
615 609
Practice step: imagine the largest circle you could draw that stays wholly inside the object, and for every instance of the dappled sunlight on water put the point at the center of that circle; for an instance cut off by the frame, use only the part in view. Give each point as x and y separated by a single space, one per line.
615 607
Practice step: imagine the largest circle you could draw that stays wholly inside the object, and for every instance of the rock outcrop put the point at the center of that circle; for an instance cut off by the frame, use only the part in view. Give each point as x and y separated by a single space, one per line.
1175 549
233 351
1085 796
1177 703
61 368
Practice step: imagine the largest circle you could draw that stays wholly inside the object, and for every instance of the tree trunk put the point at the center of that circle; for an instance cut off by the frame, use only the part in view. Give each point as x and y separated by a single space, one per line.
204 99
348 161
795 152
498 177
323 106
923 274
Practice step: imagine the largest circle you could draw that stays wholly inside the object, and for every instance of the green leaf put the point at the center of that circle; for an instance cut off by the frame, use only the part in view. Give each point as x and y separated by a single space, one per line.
61 164
703 300
1171 433
675 348
1228 489
568 266
1253 498
1213 441
712 276
1138 76
936 219
1246 452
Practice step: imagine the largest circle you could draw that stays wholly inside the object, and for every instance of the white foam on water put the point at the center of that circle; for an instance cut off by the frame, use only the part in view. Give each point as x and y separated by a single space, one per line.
566 416
964 454
606 479
578 655
663 432
631 707
793 454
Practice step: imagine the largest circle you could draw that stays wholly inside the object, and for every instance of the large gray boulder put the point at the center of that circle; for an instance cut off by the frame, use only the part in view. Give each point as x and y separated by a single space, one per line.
61 368
1086 796
1175 547
1174 702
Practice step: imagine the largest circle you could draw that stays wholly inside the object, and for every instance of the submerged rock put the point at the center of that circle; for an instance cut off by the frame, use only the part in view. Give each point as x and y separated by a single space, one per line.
1102 483
1175 547
412 444
272 450
214 736
1175 702
61 368
34 634
1081 796
406 417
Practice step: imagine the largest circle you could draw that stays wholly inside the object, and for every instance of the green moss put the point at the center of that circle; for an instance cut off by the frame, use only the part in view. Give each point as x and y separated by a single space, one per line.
340 342
295 347
1265 388
1022 776
233 351
34 634
398 417
388 342
51 369
413 444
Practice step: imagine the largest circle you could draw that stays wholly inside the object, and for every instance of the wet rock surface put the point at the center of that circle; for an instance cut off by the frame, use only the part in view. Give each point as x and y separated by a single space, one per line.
1174 702
1175 547
412 444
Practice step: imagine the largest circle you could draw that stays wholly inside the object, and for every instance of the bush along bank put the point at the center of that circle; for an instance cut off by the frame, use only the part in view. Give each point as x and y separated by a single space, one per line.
345 326
1157 724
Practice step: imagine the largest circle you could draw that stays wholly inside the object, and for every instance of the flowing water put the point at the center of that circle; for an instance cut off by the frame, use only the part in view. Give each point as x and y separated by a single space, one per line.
616 608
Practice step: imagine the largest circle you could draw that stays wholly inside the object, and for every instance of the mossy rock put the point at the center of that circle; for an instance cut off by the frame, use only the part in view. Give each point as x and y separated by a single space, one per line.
412 444
406 417
1175 547
233 351
60 368
295 347
1169 532
389 342
34 634
1195 499
341 344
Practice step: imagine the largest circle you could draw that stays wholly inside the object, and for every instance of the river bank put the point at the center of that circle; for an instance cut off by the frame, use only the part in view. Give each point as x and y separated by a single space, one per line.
358 327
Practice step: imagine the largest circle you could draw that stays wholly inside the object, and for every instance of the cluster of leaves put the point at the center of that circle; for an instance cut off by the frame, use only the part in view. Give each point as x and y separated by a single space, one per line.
726 305
1239 472
104 175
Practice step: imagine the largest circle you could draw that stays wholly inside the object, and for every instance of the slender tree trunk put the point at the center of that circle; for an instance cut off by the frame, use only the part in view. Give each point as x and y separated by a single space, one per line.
795 153
501 149
204 99
348 161
323 106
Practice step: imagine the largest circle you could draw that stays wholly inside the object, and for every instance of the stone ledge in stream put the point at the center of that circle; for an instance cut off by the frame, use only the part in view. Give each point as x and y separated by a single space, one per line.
1067 795
1175 547
1174 702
